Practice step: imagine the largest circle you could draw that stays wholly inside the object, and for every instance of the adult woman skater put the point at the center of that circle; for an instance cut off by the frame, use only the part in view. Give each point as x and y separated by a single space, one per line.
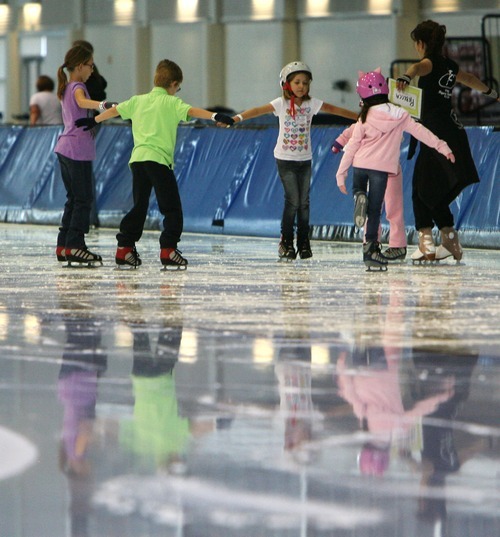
437 181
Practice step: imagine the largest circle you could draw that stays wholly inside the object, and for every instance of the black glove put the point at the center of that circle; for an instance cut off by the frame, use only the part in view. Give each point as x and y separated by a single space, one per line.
404 79
87 123
222 118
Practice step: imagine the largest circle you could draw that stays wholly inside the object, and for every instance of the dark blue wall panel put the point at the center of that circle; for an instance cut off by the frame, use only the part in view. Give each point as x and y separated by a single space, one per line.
227 180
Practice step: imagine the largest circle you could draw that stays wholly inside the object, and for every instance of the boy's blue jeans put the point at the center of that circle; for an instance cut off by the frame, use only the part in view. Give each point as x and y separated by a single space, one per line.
296 179
374 183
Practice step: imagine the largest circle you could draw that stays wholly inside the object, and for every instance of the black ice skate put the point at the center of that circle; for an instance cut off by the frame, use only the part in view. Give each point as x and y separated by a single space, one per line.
171 259
304 249
127 257
286 251
373 258
78 257
395 255
360 208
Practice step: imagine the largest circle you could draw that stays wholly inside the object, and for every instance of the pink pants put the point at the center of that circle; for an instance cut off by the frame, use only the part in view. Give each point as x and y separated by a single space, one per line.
393 202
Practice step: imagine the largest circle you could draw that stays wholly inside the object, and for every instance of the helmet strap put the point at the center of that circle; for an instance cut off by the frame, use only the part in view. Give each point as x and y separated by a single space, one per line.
287 87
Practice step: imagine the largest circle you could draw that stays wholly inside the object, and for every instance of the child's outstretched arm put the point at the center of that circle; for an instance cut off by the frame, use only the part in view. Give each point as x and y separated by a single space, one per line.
328 108
201 113
83 102
254 112
90 122
342 140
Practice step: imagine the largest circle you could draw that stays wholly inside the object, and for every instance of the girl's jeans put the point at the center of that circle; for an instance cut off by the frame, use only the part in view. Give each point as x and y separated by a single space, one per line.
296 179
77 179
377 183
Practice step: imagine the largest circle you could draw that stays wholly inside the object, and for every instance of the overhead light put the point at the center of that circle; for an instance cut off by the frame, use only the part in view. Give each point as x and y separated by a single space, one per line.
124 12
317 8
32 13
187 10
262 9
4 17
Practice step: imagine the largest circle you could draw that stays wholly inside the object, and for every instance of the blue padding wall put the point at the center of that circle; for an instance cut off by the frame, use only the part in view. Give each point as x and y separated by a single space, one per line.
228 182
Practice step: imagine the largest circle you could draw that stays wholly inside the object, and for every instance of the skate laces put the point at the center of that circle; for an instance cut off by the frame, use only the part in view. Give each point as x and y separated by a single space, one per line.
172 256
83 254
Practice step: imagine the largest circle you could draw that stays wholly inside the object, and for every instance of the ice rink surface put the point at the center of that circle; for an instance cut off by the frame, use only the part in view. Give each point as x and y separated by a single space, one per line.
246 397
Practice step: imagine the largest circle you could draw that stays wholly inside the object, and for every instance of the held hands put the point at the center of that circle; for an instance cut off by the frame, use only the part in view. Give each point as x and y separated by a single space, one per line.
222 119
105 105
87 123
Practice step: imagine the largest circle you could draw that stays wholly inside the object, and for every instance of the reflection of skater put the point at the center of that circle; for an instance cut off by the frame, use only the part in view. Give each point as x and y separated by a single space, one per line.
157 434
293 367
293 151
440 455
372 386
374 152
83 363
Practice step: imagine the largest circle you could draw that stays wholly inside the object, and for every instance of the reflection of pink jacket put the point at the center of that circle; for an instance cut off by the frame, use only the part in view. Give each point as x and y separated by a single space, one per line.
375 144
375 395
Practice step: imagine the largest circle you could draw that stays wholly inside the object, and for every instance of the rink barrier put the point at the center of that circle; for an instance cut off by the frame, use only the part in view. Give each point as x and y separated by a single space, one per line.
228 182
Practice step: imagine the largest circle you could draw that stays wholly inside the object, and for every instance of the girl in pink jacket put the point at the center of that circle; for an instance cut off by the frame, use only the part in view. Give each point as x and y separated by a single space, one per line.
393 205
374 151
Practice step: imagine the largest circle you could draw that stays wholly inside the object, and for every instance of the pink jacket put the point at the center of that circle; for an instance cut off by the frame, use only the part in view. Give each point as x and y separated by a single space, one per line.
375 144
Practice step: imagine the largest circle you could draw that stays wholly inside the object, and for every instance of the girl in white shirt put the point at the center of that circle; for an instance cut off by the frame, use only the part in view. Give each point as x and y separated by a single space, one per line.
295 110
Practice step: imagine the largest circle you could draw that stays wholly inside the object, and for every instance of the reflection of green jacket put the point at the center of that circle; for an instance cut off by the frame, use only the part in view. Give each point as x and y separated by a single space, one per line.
156 430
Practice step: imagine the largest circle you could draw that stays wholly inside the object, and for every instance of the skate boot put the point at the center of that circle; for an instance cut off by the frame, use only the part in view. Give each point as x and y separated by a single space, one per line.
395 255
426 249
360 208
304 248
450 246
61 254
373 257
286 251
82 257
127 257
171 259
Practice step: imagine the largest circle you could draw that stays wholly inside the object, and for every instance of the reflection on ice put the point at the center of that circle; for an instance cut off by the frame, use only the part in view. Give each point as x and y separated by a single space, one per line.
247 396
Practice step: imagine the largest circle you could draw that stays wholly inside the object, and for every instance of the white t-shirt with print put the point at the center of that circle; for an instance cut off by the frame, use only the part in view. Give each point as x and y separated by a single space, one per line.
294 138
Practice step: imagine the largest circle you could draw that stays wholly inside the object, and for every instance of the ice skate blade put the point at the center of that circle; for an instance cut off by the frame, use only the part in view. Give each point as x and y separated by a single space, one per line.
173 268
126 267
286 259
83 264
375 268
360 210
425 262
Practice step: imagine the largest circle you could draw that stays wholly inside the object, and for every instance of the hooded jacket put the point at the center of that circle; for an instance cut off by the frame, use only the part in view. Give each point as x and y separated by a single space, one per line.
376 144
